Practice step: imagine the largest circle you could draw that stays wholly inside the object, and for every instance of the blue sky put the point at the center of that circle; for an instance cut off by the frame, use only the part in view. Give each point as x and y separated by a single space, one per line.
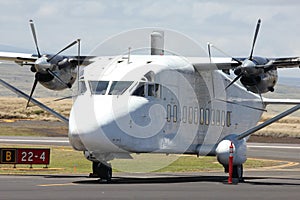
227 24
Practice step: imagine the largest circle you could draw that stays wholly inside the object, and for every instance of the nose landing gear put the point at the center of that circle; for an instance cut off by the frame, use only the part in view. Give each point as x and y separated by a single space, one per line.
102 171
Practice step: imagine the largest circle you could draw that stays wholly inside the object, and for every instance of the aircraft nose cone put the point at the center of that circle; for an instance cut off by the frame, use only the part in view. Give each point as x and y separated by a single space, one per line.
86 122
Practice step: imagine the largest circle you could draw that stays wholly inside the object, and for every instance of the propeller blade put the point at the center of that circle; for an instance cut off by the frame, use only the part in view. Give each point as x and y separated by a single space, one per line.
236 60
235 79
78 64
34 37
254 39
58 78
63 98
32 90
70 45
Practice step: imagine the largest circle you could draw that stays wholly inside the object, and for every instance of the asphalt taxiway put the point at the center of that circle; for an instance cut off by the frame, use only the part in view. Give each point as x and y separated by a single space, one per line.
279 182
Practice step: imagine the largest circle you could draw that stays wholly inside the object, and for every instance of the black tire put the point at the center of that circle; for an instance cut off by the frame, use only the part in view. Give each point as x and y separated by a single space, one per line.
238 172
104 171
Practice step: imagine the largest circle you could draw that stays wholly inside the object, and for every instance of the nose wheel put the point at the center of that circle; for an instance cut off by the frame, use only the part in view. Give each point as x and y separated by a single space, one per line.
102 171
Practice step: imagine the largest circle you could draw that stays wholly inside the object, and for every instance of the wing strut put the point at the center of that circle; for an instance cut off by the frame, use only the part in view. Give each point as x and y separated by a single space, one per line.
39 104
268 122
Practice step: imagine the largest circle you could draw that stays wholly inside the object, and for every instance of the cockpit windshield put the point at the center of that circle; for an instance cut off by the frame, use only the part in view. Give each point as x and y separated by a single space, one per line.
119 87
98 87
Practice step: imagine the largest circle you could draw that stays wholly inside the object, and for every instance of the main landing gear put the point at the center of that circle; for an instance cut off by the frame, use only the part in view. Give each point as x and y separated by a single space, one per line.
237 172
102 171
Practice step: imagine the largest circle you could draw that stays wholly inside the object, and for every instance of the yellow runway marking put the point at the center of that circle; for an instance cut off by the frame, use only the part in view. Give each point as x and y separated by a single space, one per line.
56 184
289 164
281 166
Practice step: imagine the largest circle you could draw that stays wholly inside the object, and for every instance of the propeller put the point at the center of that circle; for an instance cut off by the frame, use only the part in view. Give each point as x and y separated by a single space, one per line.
247 63
43 64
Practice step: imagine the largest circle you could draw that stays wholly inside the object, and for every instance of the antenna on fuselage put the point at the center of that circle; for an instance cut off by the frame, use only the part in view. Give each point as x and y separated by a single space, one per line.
157 43
209 54
128 59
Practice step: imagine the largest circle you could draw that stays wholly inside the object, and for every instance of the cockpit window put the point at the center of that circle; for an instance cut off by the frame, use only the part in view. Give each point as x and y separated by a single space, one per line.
119 87
153 90
98 87
147 90
140 90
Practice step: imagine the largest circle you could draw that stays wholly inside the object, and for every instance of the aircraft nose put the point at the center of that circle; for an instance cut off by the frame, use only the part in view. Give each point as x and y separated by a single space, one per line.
88 115
110 123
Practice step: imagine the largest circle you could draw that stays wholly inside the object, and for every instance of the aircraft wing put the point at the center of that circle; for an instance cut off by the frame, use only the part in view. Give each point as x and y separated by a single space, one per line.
29 59
226 63
20 58
204 63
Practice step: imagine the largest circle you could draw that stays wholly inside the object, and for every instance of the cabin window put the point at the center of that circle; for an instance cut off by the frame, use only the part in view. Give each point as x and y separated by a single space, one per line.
213 117
174 113
98 87
190 115
228 119
119 87
223 118
82 87
218 117
196 115
201 116
206 116
168 112
184 114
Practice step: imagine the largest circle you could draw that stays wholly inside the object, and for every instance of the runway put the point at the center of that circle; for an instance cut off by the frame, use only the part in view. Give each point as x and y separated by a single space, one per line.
268 183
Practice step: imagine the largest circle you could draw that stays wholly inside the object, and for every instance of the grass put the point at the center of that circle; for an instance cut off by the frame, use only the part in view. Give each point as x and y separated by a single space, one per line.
15 108
65 160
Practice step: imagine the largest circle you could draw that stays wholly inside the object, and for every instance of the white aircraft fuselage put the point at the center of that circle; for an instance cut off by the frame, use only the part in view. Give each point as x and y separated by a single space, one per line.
156 104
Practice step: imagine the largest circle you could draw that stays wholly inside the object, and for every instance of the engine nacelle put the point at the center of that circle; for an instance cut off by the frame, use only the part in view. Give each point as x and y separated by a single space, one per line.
261 83
58 74
67 75
239 151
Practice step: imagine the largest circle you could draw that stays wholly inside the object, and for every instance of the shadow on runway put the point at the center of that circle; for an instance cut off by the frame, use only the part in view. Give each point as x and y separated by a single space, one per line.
276 181
271 181
155 180
65 176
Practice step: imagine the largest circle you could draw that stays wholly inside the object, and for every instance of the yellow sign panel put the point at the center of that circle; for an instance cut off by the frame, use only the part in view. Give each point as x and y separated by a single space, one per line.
8 156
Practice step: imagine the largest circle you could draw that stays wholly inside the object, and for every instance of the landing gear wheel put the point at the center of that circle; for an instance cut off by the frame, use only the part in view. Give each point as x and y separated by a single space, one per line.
238 173
104 171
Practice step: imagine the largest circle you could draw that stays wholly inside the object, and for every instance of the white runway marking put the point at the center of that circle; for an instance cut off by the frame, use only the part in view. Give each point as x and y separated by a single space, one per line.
273 146
34 141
